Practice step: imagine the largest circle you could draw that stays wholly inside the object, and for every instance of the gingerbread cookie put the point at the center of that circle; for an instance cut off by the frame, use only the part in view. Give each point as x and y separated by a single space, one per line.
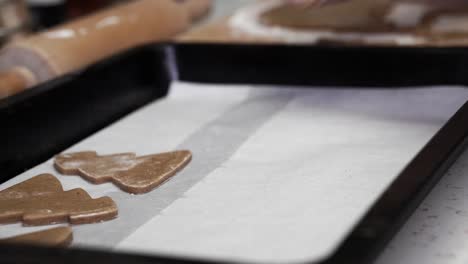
130 173
41 201
55 237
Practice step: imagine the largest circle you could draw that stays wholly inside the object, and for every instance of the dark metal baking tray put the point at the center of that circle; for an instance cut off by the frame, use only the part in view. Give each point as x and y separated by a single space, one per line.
51 117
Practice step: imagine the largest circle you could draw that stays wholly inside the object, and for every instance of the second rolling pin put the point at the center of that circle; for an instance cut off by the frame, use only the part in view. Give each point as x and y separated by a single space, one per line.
84 41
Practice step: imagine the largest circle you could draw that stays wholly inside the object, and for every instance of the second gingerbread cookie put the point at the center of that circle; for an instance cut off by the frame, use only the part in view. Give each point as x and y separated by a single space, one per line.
41 200
130 173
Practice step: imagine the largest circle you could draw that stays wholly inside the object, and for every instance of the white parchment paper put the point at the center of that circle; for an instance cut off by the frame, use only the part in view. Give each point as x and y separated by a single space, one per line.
278 175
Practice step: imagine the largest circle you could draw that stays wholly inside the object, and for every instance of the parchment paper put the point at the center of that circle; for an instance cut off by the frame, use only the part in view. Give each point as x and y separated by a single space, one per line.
278 175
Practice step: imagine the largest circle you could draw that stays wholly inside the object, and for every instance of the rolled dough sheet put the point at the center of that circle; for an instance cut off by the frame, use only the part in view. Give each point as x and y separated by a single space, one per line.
400 23
278 174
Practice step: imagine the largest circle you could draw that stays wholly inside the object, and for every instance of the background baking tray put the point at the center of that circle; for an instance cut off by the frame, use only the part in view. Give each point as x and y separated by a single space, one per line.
76 105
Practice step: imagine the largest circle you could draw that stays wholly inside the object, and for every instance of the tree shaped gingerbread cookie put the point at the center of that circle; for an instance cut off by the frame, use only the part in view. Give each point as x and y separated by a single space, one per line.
130 173
41 200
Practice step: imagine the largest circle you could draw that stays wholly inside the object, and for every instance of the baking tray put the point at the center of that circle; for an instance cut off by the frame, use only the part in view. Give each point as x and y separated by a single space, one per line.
74 106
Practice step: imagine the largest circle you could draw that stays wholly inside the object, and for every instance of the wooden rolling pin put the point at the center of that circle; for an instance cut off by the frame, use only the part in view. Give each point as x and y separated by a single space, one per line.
71 46
15 81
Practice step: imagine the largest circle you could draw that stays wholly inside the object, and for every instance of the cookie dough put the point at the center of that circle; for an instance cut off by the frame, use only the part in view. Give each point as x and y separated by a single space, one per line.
130 173
41 200
354 15
353 22
55 237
